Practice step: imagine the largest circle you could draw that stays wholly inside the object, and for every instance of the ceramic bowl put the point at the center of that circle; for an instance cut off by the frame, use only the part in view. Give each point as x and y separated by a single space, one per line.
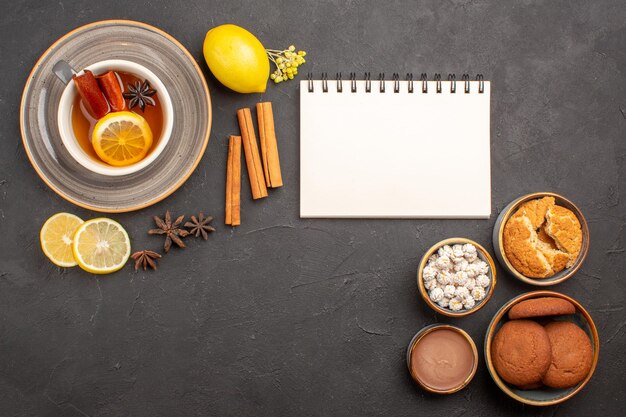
543 396
181 76
509 210
482 254
423 333
64 119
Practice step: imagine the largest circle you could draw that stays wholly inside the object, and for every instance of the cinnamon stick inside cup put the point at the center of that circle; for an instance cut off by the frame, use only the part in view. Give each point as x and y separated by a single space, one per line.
251 151
269 145
110 86
89 90
233 182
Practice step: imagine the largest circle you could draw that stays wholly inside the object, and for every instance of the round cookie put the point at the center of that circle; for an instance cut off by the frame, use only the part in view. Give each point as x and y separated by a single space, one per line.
542 306
521 352
520 246
564 227
541 238
536 210
571 355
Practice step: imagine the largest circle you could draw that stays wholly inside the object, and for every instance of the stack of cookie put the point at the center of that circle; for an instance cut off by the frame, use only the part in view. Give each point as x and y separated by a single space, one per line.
531 350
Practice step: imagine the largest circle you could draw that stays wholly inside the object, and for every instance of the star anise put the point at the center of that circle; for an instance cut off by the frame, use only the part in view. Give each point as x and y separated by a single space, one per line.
172 231
200 226
140 94
145 258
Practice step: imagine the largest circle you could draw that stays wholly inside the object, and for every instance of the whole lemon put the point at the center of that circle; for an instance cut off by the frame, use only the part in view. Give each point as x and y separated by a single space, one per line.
237 59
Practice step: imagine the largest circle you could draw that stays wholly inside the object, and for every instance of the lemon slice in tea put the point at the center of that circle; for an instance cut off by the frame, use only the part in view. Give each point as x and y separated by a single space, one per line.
101 246
122 138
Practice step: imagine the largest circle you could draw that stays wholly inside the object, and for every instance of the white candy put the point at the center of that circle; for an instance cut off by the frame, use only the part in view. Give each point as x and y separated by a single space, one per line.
445 250
436 294
478 293
482 281
460 278
469 249
472 270
444 302
456 260
455 277
429 273
429 285
471 257
449 291
462 265
469 302
444 278
457 251
455 304
443 263
483 268
461 292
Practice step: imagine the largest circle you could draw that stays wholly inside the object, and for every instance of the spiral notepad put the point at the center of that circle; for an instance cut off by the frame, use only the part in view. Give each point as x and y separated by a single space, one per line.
395 148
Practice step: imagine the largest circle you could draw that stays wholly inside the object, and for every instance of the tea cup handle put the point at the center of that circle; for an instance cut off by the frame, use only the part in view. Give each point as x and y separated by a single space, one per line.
63 71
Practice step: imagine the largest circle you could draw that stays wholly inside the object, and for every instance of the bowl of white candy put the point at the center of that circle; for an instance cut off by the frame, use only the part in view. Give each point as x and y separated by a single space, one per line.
456 277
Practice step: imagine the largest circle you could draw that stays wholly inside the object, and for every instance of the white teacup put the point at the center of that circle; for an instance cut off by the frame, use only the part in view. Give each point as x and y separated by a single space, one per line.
66 130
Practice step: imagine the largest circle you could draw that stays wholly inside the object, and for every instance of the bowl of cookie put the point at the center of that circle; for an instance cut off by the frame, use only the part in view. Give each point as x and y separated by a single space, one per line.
541 348
456 277
541 238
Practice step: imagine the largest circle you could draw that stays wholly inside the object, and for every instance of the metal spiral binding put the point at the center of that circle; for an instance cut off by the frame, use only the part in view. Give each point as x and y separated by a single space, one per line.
452 79
438 80
481 83
325 82
396 82
465 78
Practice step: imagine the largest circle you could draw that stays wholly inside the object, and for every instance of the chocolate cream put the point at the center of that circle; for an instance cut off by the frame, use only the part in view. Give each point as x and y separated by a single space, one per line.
442 359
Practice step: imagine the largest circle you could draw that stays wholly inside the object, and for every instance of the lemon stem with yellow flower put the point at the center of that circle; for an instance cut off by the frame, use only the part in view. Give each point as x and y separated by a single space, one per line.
287 62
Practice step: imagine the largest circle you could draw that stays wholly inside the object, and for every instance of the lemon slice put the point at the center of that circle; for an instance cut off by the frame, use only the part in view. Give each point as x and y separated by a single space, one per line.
121 138
101 246
56 238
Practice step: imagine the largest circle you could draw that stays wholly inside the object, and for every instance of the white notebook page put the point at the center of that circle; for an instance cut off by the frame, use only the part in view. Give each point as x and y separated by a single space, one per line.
395 155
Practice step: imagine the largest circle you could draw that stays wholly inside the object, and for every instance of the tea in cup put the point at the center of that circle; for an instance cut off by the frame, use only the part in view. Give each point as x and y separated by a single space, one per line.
99 121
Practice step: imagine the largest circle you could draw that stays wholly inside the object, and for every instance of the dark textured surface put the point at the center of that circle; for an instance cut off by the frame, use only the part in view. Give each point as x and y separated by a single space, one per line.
283 316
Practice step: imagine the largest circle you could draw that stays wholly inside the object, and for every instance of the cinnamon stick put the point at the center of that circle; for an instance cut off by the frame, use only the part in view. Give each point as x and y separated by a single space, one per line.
269 146
110 87
251 151
89 90
233 182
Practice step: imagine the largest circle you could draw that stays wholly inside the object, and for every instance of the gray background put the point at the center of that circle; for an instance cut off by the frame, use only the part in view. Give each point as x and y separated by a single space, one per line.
284 316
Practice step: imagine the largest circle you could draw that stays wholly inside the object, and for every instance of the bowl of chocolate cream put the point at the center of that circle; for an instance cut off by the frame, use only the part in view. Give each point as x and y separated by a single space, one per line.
442 359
